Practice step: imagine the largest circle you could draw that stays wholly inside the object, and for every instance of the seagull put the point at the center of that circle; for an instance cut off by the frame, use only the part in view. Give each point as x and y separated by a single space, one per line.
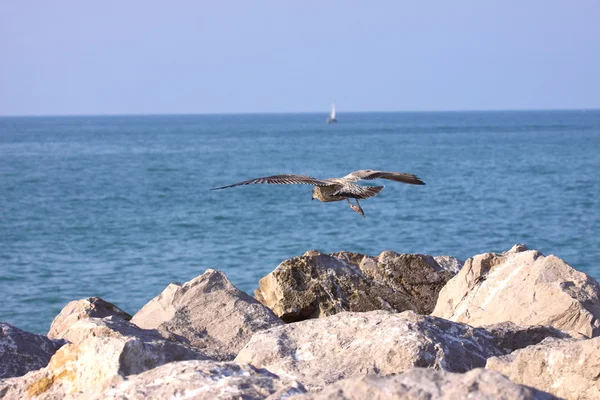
337 189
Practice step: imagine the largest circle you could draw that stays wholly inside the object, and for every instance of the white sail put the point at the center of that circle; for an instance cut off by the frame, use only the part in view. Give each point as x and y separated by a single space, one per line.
331 119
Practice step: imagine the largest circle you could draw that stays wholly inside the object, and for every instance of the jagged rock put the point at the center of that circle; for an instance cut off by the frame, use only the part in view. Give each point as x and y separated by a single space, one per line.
317 285
416 275
568 368
518 248
21 351
428 384
202 380
113 347
449 263
208 313
111 326
91 307
523 287
510 337
320 351
348 256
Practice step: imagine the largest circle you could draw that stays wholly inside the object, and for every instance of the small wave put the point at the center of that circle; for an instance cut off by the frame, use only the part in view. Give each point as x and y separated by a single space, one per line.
186 225
162 169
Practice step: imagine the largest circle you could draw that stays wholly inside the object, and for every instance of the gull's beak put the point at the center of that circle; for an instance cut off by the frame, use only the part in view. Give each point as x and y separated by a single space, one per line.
312 198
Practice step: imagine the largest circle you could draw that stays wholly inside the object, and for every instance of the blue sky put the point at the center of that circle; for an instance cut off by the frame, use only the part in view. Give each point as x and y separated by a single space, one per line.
147 57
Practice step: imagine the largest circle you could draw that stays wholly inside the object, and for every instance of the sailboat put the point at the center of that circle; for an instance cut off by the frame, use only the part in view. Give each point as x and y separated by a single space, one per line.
331 119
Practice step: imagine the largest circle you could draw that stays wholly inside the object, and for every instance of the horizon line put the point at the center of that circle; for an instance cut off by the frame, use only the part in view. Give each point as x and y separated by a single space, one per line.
296 112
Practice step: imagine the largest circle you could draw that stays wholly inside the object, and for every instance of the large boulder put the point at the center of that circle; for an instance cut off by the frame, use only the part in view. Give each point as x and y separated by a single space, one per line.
208 313
524 287
91 307
202 380
416 275
112 348
568 368
428 384
318 285
113 327
321 351
21 351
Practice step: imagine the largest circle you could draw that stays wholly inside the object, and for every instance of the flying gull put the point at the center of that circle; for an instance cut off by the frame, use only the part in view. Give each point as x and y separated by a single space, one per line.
337 189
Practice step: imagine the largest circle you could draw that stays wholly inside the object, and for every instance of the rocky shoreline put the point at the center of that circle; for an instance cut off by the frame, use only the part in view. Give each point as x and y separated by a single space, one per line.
512 325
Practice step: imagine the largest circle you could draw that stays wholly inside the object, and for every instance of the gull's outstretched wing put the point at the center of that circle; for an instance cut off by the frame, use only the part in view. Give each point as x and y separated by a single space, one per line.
286 179
358 192
369 174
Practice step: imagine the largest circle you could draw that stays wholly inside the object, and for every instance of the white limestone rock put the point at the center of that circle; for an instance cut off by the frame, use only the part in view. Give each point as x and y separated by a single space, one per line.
104 349
568 368
208 313
320 351
202 380
91 307
524 287
428 384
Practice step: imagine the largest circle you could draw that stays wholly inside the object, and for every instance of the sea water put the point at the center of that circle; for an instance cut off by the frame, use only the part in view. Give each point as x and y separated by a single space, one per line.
119 206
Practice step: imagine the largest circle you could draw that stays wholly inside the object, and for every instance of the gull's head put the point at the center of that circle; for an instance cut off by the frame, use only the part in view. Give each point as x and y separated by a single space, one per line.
314 192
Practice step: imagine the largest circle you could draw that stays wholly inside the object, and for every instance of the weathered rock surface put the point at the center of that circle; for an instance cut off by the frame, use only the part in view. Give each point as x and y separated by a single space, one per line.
418 276
566 368
317 285
21 351
202 380
449 263
208 313
511 337
348 256
113 347
112 327
321 351
91 307
428 384
524 287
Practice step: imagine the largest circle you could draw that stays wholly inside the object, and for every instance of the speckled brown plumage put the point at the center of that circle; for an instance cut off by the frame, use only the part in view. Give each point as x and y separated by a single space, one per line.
337 189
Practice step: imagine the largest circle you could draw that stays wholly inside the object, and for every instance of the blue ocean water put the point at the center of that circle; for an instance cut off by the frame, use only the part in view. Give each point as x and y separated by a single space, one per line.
118 207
